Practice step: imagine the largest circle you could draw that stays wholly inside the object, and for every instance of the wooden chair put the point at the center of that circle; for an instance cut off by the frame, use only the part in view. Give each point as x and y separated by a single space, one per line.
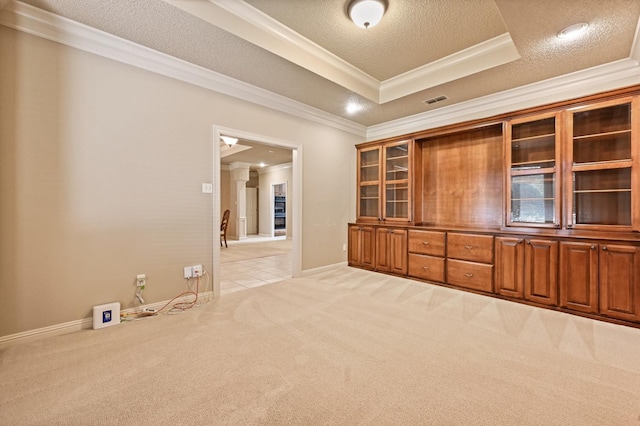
223 227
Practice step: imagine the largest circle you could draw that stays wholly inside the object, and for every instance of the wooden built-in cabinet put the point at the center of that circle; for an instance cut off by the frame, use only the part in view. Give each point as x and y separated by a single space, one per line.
527 268
540 206
602 162
470 261
601 278
620 281
426 255
533 156
384 184
391 250
362 247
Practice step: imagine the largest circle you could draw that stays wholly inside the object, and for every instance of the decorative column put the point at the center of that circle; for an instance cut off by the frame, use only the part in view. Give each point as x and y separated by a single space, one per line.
240 175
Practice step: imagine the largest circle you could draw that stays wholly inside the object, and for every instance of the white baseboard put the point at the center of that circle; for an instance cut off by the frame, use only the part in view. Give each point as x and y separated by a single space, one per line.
320 269
80 324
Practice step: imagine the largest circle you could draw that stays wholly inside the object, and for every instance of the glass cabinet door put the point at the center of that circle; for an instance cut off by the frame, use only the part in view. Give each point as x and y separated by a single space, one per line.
396 181
600 148
532 153
369 183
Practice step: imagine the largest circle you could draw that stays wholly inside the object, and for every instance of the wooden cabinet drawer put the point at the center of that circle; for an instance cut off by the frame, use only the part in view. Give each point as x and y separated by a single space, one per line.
477 248
476 276
426 242
426 267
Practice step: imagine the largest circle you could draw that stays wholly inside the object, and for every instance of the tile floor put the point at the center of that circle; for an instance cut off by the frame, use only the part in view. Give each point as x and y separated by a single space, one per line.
252 263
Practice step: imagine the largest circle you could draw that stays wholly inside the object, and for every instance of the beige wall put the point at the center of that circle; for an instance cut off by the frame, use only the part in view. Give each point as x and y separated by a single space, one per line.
101 168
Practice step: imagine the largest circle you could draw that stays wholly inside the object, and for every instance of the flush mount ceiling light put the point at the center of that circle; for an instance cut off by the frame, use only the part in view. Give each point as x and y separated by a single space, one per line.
366 13
573 32
229 140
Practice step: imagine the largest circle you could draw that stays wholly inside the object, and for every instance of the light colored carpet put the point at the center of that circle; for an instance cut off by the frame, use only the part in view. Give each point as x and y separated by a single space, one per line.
343 347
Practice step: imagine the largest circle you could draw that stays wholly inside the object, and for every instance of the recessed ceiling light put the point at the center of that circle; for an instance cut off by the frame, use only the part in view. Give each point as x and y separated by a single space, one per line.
573 32
261 164
353 107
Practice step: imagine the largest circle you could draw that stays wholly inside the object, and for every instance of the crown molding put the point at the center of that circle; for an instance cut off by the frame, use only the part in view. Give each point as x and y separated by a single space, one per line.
275 168
491 53
250 24
40 23
247 22
614 75
635 47
34 21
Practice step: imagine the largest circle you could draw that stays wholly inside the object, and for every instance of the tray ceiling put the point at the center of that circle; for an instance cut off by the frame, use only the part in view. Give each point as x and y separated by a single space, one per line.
310 52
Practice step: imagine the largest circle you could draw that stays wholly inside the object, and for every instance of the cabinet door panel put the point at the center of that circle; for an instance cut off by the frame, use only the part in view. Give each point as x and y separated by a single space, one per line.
391 250
383 260
369 170
398 247
368 239
541 271
620 282
361 246
509 267
579 276
354 245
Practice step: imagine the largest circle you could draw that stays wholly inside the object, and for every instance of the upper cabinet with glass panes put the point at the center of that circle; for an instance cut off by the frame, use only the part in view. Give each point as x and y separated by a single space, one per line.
533 187
602 157
384 182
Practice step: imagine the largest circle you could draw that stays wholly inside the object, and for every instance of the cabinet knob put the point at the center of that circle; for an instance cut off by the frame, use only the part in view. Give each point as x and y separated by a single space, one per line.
604 248
425 267
468 247
468 275
593 247
426 243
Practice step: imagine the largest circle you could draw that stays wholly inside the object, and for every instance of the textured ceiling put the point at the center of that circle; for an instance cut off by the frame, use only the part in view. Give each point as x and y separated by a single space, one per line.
258 155
412 33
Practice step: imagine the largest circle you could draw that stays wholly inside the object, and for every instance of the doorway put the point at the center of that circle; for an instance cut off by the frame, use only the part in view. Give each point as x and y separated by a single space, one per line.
293 200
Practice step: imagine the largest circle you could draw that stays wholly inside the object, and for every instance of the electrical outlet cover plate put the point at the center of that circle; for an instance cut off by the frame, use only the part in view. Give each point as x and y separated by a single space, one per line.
197 270
188 272
106 315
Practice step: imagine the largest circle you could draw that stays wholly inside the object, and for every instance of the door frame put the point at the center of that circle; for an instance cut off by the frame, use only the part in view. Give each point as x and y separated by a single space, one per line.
296 195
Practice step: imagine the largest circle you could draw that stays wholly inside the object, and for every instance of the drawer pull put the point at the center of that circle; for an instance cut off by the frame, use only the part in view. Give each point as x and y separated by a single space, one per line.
468 275
426 243
425 267
468 247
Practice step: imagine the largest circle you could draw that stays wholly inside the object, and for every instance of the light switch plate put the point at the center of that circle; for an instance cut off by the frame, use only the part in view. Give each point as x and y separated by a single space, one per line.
207 188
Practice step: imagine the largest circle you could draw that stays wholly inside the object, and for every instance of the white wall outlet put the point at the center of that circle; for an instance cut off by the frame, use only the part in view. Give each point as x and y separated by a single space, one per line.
188 272
344 247
207 188
197 270
141 280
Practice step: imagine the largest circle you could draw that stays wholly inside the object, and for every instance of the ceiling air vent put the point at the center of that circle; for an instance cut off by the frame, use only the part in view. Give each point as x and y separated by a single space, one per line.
436 99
